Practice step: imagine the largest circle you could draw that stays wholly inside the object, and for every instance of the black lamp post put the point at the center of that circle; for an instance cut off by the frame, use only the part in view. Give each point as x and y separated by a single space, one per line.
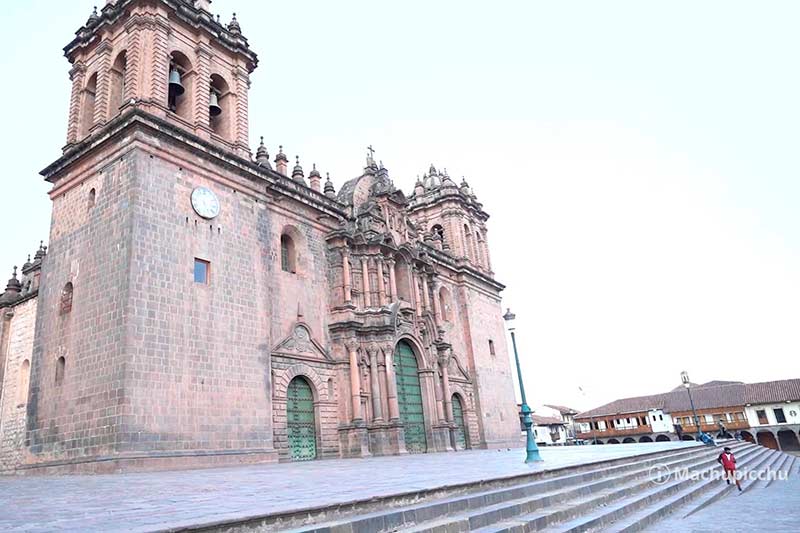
532 451
688 385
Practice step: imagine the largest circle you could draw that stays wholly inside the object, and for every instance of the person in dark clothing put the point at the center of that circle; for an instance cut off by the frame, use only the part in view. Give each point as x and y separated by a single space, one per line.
722 429
679 431
728 462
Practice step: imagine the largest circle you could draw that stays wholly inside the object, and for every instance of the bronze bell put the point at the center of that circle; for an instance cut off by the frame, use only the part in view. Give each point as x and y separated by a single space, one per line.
175 86
213 105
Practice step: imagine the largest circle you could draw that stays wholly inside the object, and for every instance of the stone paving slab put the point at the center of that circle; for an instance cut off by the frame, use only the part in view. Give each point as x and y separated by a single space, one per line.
153 501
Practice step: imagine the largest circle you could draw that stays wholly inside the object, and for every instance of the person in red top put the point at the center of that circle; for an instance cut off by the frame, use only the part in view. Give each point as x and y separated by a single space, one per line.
728 462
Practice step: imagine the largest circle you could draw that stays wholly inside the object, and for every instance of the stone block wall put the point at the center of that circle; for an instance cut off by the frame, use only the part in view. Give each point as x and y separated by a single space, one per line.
494 384
76 411
16 333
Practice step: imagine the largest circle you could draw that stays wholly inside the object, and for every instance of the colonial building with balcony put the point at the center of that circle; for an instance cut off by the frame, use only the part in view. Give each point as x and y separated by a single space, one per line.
766 412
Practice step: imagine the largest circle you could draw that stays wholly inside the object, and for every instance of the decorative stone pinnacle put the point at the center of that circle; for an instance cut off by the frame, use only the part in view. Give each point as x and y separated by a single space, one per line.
233 26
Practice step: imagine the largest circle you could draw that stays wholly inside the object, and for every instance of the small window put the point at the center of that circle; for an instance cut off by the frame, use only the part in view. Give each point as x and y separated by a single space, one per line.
762 417
491 346
740 417
202 270
91 201
661 417
288 254
779 416
60 368
66 298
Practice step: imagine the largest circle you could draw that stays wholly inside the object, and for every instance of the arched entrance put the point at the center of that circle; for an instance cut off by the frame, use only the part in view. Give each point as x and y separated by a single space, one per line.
788 440
646 439
461 428
748 437
301 431
687 437
766 438
628 440
662 438
409 398
613 441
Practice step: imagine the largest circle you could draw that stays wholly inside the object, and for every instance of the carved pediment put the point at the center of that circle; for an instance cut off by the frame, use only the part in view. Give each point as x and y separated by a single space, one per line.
301 343
456 371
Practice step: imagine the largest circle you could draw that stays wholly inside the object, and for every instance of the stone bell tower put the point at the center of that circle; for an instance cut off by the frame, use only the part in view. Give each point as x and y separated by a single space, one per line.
169 58
131 364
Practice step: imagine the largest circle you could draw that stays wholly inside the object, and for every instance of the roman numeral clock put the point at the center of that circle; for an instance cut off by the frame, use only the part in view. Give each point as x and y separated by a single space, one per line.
205 203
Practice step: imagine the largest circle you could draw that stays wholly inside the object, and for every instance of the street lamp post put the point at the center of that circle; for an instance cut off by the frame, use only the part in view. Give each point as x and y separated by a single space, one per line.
531 450
688 385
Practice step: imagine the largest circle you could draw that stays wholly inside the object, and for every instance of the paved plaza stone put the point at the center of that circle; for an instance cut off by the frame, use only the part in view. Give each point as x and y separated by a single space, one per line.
762 508
154 501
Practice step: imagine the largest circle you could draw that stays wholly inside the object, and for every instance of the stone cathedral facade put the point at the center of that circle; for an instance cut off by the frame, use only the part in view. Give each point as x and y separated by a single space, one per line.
198 305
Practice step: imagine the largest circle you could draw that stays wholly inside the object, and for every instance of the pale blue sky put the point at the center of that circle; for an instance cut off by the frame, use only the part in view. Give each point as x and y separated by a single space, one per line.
639 159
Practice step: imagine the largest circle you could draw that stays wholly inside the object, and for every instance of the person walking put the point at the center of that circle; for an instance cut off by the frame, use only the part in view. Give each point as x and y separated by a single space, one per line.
722 429
728 462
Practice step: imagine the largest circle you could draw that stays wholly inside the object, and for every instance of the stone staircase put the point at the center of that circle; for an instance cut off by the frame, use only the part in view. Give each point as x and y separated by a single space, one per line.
618 495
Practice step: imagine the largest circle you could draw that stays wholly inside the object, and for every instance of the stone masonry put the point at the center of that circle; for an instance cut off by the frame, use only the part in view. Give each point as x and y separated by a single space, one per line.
191 291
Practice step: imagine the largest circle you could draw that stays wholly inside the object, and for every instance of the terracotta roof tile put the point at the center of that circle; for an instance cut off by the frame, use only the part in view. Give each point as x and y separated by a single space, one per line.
546 420
772 391
707 396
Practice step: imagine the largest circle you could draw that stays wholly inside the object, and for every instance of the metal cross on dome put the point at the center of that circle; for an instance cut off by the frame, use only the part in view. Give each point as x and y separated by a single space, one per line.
371 150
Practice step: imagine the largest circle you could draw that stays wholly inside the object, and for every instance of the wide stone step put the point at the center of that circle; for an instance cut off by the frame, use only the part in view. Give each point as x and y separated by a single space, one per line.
636 513
390 517
578 499
690 500
586 512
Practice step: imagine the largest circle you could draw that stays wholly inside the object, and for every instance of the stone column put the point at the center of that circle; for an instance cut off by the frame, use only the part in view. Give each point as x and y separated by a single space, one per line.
365 279
375 387
101 99
392 280
202 87
391 383
448 399
382 381
355 384
348 294
78 77
381 284
426 299
133 56
242 128
437 315
159 68
417 298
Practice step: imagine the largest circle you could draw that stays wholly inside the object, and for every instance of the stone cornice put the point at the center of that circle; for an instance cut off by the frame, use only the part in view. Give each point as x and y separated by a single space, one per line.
273 182
184 11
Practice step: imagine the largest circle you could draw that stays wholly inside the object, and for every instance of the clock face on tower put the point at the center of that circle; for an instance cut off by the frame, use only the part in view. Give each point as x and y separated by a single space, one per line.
205 202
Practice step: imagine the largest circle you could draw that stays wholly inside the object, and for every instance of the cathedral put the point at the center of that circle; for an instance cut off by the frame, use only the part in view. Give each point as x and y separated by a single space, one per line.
198 305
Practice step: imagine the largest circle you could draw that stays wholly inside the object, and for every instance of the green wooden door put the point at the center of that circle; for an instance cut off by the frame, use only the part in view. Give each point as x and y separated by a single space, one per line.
461 428
409 398
300 430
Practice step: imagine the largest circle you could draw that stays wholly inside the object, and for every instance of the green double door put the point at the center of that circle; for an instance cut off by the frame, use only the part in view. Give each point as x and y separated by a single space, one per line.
301 429
461 429
409 398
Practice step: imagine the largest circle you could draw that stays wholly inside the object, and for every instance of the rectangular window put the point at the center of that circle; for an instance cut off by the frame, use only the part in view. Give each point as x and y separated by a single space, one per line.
202 270
740 417
709 419
491 346
779 416
762 417
661 417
